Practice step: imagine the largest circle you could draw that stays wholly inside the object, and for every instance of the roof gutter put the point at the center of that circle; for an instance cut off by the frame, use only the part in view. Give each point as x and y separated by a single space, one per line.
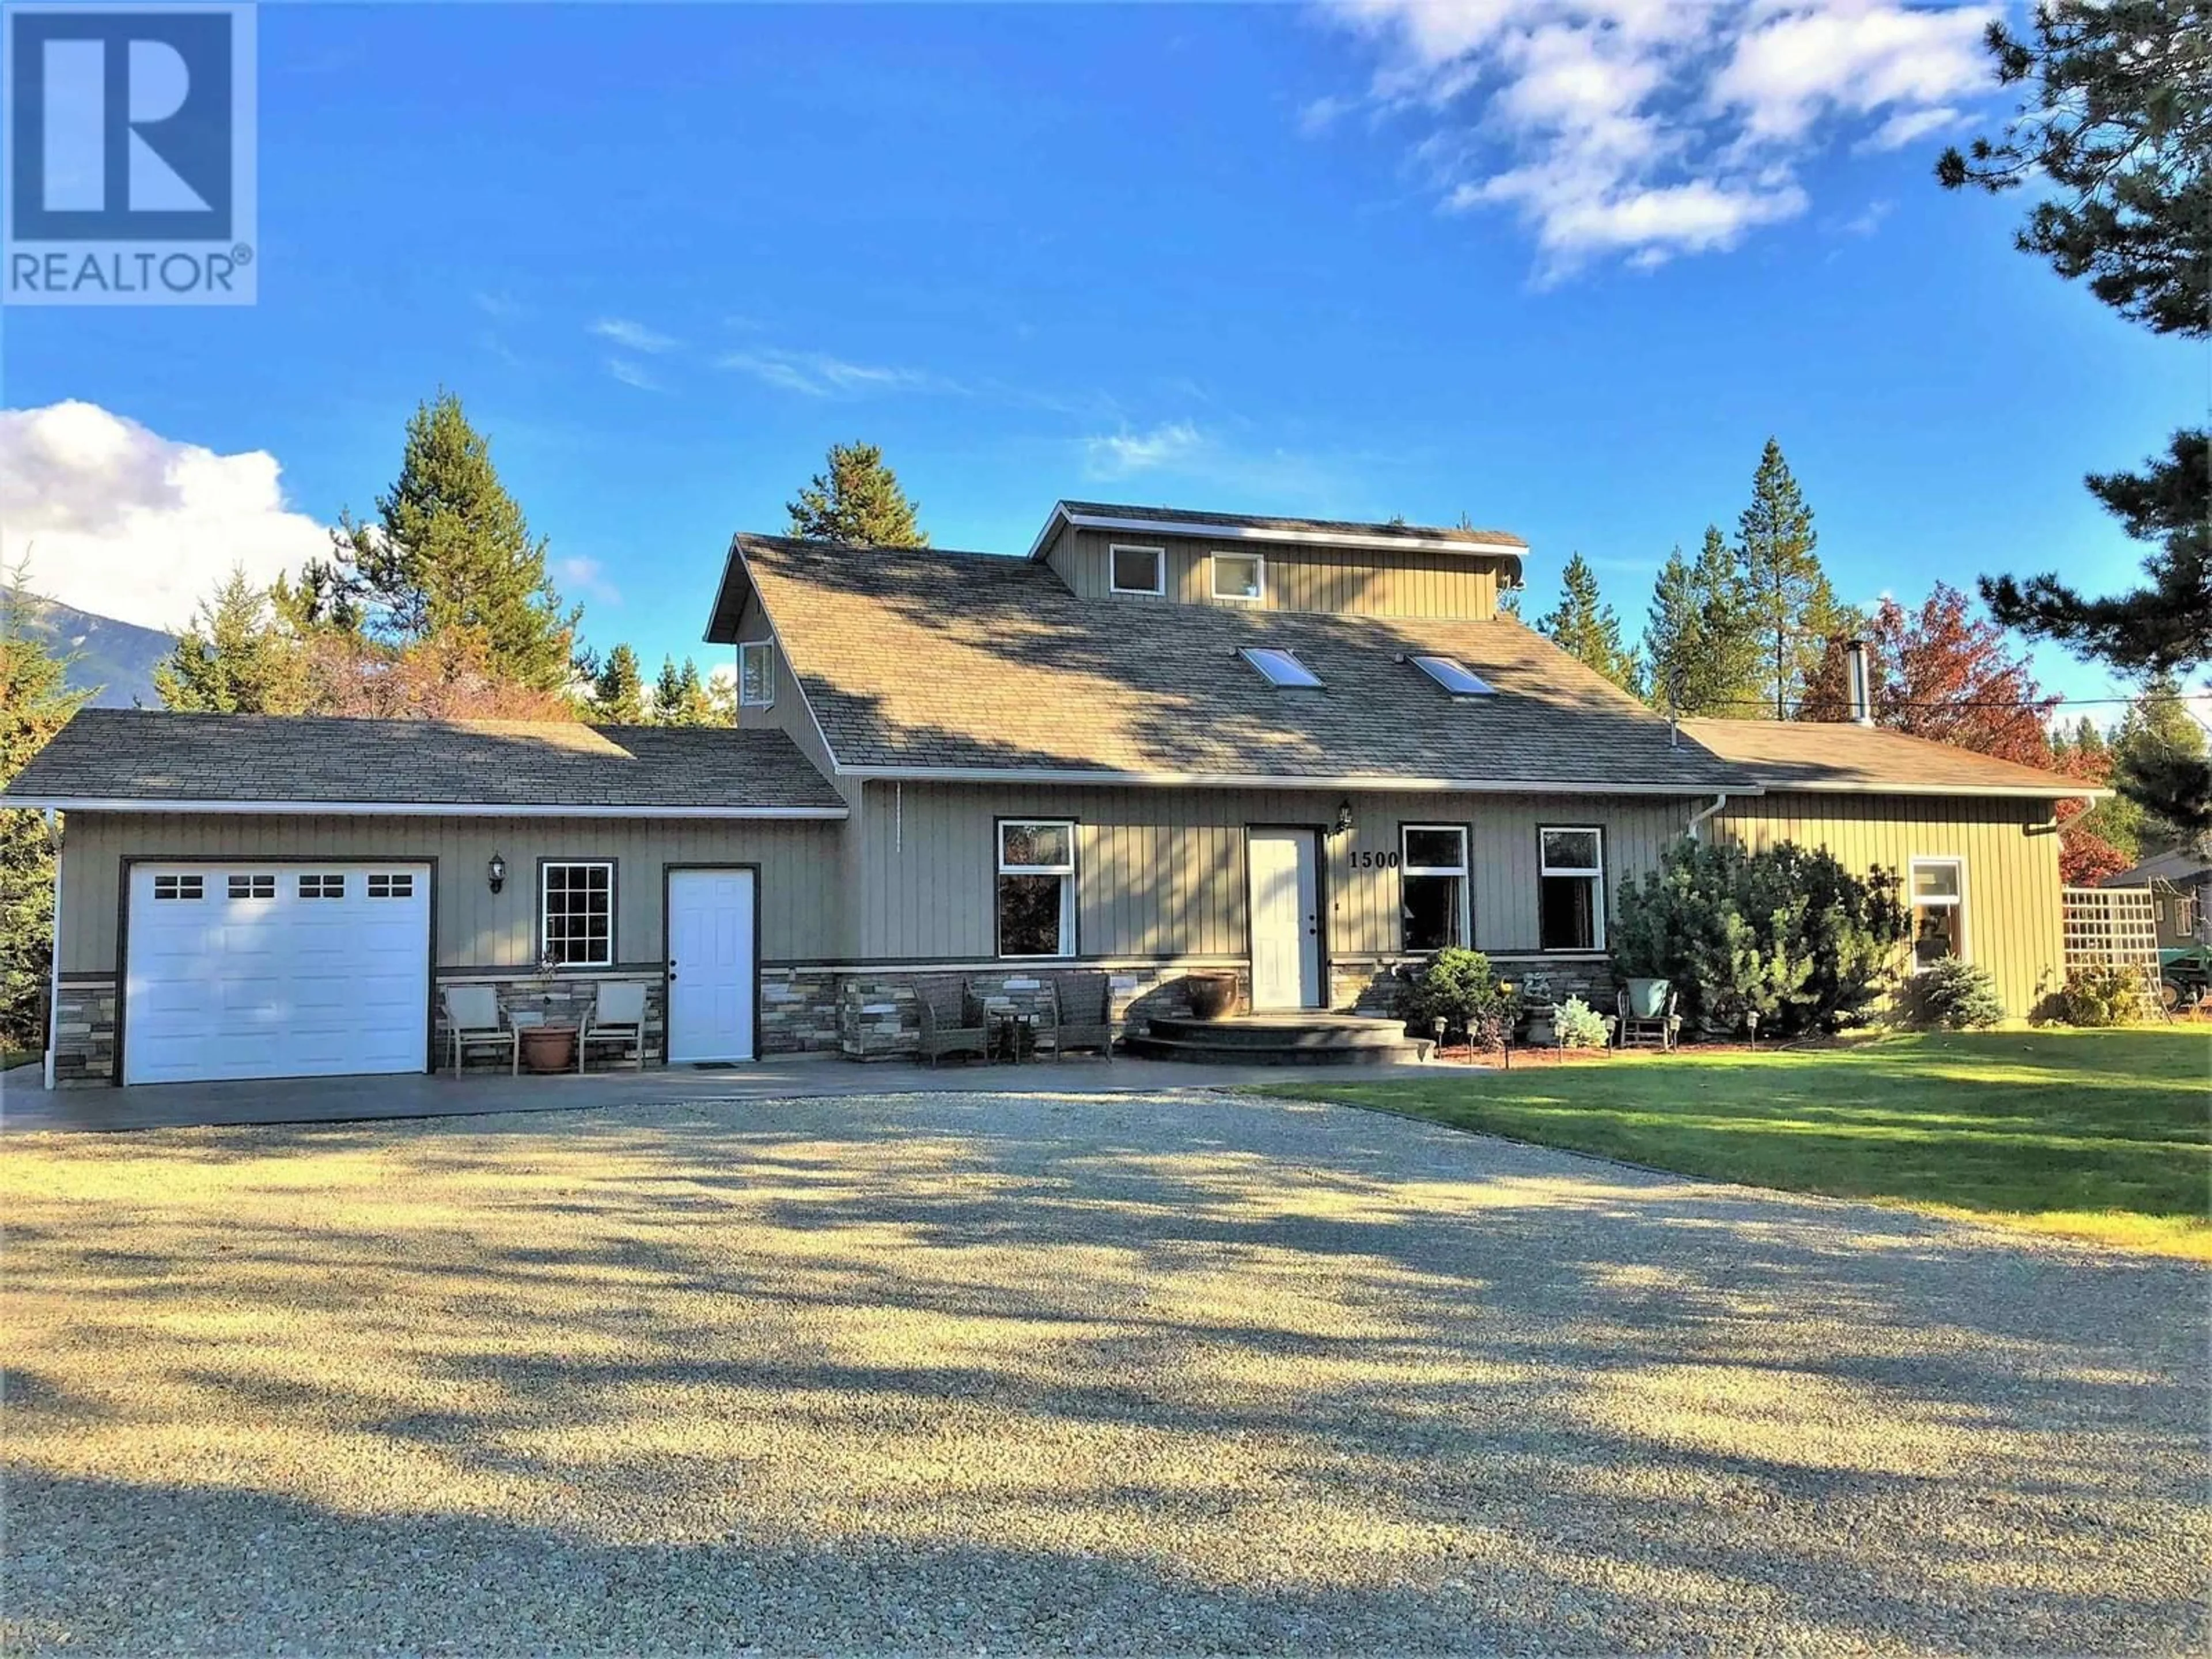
1348 781
1781 786
412 808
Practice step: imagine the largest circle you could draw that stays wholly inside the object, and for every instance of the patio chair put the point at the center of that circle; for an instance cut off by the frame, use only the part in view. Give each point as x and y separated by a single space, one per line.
616 1018
953 1021
1640 1030
473 1021
1081 1014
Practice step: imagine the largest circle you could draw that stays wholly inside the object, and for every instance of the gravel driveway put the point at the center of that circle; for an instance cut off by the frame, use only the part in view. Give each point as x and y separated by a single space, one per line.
994 1373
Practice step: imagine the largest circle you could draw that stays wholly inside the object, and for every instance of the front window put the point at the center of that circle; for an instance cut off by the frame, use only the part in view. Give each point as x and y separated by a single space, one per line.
1939 911
1571 900
1139 569
1239 576
1432 886
576 914
757 674
1036 887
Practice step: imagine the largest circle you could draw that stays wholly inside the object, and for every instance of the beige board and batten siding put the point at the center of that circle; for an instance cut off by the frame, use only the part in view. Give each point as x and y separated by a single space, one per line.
2014 924
1360 581
800 886
1161 874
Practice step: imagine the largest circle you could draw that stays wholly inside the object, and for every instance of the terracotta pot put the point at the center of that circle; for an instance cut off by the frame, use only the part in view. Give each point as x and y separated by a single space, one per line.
549 1047
1212 995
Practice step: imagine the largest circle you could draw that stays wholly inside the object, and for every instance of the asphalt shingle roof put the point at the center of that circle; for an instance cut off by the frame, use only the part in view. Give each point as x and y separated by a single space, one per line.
1820 754
130 754
937 659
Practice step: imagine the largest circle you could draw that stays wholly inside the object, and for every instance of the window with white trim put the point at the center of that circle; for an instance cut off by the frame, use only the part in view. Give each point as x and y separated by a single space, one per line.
1938 892
397 885
1432 886
1036 887
1239 576
1137 569
1570 888
576 913
757 674
253 887
178 887
322 887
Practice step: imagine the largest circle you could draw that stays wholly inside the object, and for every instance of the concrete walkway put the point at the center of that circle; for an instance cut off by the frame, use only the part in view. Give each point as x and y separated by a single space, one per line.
27 1108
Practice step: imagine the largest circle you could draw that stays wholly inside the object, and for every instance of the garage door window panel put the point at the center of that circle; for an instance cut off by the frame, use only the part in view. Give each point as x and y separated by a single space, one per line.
576 913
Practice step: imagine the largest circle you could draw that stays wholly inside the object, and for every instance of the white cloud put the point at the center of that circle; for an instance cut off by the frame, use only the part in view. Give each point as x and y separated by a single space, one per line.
1323 113
1643 129
814 374
635 337
1123 454
633 375
119 521
584 578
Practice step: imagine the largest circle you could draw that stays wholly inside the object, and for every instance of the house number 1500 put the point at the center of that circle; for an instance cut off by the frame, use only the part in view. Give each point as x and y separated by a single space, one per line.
1373 861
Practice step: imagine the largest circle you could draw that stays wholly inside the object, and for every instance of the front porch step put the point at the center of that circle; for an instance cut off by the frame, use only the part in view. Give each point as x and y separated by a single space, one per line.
1282 1039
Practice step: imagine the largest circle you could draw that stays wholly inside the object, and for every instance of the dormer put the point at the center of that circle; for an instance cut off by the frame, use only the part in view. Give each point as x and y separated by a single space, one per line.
1159 554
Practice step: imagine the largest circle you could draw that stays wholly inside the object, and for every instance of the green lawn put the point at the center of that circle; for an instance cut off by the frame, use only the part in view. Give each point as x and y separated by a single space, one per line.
2102 1134
13 1057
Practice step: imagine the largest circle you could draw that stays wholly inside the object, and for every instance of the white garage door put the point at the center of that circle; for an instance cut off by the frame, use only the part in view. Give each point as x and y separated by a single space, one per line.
243 970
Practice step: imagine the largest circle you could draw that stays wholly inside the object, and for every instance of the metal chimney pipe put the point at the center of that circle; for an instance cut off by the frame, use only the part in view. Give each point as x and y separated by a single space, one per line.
1862 681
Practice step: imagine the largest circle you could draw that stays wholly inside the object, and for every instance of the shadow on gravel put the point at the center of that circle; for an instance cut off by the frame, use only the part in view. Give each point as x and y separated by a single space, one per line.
965 1372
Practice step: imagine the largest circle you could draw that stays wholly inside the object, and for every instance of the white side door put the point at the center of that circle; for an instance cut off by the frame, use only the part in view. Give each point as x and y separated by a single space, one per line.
1285 900
711 970
269 971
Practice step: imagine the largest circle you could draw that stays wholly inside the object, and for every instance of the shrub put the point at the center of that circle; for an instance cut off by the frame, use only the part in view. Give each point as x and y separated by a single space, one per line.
1788 933
1458 986
2101 996
1578 1026
1956 995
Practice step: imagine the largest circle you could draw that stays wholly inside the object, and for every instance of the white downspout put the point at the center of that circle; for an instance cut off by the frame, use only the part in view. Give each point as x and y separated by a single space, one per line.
1698 818
54 966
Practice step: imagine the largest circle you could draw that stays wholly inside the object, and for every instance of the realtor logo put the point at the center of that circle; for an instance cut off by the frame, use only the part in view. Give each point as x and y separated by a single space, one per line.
129 176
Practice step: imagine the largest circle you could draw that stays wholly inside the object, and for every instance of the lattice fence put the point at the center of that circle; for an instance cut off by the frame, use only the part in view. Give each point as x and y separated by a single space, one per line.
2112 927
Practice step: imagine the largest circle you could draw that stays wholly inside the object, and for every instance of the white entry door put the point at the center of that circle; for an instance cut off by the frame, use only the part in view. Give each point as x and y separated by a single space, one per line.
1285 918
710 965
261 970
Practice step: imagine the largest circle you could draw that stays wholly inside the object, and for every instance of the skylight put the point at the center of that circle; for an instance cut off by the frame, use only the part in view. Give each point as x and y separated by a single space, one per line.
1281 668
1454 676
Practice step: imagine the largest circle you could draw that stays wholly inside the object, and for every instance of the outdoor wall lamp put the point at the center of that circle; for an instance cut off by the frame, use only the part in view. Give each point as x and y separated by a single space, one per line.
1344 818
495 873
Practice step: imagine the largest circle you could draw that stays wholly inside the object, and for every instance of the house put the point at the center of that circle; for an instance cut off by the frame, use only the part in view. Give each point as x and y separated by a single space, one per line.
1306 752
2180 883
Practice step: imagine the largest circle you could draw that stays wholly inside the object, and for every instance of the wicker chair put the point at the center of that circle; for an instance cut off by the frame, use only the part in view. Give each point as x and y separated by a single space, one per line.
1082 1013
953 1021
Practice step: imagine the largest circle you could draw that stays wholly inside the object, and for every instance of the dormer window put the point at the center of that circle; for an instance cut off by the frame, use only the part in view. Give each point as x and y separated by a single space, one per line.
1281 668
1454 676
1242 576
757 674
1137 569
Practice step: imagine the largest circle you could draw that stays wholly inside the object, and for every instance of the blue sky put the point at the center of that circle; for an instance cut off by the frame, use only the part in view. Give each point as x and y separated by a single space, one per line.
1564 274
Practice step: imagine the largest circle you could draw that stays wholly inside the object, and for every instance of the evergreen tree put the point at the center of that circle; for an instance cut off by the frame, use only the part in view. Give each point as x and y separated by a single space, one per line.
450 549
1785 592
680 697
2159 762
35 702
238 656
1584 627
1701 648
618 690
858 502
2115 128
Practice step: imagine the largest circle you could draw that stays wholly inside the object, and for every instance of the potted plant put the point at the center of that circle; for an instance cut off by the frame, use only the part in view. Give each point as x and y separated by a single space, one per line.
1212 995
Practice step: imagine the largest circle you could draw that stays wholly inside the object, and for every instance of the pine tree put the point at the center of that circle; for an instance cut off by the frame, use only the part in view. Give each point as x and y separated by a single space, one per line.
450 549
680 697
35 702
2159 760
1784 590
1584 627
858 502
618 690
1701 649
238 656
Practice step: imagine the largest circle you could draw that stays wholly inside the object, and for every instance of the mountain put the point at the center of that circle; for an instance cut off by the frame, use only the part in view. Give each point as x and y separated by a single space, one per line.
116 657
